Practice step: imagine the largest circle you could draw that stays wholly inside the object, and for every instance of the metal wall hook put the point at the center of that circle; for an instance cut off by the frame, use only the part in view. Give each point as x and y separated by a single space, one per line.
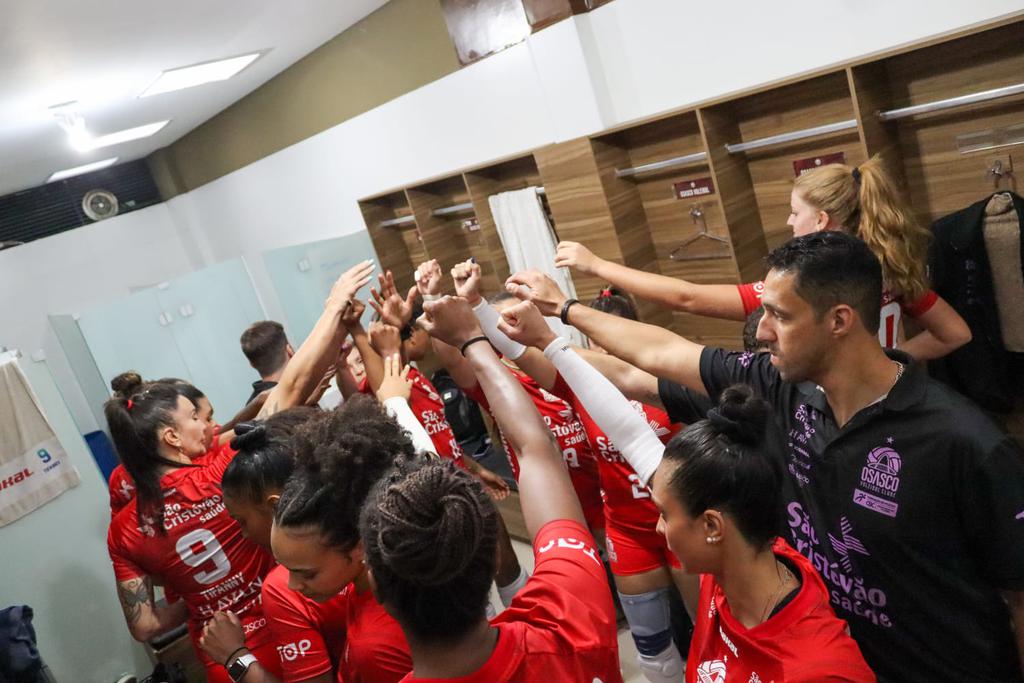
999 172
697 214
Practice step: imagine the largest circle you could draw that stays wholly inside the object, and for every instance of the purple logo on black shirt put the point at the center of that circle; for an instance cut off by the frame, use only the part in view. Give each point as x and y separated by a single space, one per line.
847 544
880 481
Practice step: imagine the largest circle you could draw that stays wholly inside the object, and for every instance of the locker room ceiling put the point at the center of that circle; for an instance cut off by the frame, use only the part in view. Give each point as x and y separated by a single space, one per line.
104 53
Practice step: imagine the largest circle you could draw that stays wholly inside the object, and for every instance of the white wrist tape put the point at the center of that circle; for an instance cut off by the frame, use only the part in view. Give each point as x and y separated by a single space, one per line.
488 317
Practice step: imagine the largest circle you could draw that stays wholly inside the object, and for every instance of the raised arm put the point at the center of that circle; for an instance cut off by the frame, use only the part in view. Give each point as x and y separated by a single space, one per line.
648 347
545 491
320 349
607 406
714 301
394 393
146 618
942 332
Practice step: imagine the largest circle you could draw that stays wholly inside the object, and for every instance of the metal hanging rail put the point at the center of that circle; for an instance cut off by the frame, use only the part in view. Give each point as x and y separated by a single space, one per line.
686 160
791 137
443 211
985 96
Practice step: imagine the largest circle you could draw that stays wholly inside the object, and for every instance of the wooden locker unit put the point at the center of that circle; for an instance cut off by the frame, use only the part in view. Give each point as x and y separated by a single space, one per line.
797 107
443 213
502 176
399 247
940 179
640 167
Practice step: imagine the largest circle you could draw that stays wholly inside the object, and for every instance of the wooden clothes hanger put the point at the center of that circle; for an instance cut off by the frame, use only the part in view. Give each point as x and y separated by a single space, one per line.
697 214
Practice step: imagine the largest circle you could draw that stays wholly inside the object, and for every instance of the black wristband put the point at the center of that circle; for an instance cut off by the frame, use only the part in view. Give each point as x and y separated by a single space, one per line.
469 342
227 662
564 315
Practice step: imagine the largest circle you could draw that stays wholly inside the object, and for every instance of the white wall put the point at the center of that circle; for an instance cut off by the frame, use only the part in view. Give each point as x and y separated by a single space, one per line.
629 59
655 55
71 271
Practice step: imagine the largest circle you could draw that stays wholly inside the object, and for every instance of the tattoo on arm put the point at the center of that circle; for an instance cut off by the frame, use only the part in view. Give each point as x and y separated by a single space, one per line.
133 594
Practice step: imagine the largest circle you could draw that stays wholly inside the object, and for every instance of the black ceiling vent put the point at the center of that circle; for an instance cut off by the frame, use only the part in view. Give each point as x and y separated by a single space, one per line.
66 204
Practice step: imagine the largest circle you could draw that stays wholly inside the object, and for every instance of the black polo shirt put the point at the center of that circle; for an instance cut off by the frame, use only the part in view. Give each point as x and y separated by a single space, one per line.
258 387
913 513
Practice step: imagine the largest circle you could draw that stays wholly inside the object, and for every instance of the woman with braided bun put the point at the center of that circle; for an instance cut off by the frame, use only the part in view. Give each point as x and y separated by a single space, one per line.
862 201
429 539
339 457
177 531
763 612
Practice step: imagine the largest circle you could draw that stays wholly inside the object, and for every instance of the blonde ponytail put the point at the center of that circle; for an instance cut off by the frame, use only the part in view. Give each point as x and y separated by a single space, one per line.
870 207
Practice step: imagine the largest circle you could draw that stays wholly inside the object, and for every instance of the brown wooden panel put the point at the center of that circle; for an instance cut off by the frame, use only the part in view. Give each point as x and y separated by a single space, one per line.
575 194
814 102
397 247
444 237
735 192
544 13
869 87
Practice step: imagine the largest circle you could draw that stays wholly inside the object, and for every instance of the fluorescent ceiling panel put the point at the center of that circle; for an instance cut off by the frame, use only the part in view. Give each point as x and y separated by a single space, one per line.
79 170
189 76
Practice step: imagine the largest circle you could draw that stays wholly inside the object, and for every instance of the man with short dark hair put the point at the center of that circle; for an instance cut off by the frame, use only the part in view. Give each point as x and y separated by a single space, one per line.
907 499
266 346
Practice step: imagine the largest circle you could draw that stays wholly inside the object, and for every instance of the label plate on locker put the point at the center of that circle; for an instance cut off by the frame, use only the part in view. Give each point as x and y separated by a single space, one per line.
801 166
697 187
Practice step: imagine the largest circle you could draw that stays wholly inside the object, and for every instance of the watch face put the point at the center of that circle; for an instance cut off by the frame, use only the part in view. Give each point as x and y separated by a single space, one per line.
237 669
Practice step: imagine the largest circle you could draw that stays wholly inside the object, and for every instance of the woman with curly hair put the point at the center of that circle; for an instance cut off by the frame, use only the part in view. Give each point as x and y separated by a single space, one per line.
428 534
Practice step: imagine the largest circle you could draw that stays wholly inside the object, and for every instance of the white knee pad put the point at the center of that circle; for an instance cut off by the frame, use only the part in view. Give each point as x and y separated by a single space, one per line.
650 624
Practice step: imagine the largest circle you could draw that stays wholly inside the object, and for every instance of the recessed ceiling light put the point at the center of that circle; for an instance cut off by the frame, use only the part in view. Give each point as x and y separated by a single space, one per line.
188 76
86 142
79 170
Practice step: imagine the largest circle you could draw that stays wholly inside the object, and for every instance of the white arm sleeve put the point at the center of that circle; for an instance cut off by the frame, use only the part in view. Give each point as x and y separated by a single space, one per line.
488 317
399 409
611 410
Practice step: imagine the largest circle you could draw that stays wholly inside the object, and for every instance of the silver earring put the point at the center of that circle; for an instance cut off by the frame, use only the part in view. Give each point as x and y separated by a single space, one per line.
711 539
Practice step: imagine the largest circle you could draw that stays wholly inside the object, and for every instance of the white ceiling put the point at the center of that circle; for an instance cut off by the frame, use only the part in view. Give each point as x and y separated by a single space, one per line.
104 53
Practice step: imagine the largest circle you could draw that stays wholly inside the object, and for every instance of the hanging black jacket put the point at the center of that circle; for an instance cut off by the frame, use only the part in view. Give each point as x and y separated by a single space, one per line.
982 369
19 658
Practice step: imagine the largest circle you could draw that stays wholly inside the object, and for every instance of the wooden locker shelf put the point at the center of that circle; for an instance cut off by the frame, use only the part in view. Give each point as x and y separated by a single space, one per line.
397 246
445 236
939 178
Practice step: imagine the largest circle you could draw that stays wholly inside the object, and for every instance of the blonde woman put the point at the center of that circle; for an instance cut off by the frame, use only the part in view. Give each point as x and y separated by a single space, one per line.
861 201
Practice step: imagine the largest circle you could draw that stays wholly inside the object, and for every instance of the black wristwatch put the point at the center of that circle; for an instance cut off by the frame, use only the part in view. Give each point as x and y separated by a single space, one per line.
240 666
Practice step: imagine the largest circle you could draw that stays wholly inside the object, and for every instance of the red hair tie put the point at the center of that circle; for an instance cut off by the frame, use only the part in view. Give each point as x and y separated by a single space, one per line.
606 292
130 404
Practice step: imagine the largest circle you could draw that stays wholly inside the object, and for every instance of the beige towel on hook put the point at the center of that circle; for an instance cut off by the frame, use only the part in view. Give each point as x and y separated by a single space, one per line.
34 468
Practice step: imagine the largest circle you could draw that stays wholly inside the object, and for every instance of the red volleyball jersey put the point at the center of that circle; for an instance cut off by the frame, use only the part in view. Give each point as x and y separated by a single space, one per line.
122 489
563 422
202 557
310 635
561 625
805 642
627 500
375 647
427 406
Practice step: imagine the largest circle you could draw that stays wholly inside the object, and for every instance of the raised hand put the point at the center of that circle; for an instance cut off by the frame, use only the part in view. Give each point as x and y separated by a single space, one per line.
350 282
428 278
450 320
389 304
396 383
467 280
535 286
386 339
575 255
353 315
524 323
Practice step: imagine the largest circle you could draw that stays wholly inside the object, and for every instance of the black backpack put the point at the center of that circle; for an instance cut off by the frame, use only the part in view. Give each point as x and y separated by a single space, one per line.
463 414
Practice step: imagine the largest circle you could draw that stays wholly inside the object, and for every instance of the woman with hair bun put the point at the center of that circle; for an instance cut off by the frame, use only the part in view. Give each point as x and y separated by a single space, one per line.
177 531
862 201
763 612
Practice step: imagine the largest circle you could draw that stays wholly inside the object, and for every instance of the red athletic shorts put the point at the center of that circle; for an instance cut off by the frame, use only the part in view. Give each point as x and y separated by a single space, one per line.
631 551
